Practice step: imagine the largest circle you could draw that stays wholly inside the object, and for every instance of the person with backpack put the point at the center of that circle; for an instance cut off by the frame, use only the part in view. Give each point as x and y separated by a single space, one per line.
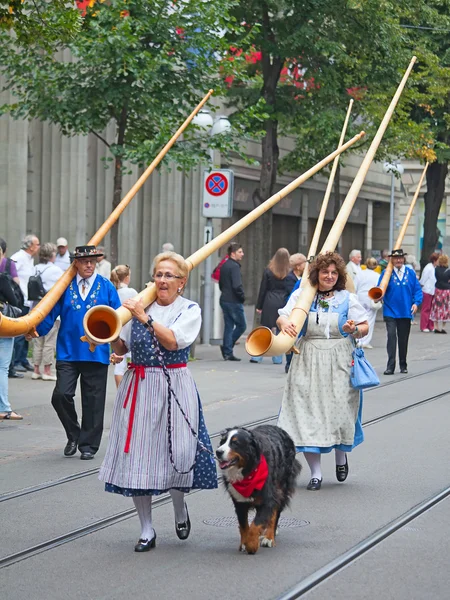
45 277
7 300
24 259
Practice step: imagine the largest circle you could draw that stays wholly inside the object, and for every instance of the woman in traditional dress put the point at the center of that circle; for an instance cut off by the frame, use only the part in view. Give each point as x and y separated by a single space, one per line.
320 410
273 292
440 307
143 459
120 278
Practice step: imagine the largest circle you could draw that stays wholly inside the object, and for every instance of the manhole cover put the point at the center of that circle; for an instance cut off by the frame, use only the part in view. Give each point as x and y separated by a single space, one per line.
283 523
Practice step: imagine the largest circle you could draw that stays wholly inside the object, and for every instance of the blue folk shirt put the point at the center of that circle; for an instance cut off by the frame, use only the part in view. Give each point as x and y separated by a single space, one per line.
401 294
71 308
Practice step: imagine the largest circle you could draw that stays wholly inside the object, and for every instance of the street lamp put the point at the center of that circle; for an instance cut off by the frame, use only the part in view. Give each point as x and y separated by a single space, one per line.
393 168
210 127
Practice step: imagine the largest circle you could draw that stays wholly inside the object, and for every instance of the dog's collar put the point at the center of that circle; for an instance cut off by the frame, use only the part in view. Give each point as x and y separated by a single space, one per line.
254 480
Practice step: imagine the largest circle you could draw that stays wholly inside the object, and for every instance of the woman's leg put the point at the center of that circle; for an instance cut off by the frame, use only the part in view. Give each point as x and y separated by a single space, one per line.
313 460
143 506
179 506
341 457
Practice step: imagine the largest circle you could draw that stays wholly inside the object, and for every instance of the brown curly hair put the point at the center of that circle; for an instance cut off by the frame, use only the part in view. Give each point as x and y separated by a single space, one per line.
323 261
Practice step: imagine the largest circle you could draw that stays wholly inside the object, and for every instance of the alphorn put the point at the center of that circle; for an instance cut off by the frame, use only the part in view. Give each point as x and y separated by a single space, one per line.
261 341
377 292
28 323
102 324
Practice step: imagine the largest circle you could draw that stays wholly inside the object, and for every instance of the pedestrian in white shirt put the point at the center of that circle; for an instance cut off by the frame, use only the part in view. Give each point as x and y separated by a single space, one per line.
25 269
44 347
368 279
428 283
354 265
62 255
103 266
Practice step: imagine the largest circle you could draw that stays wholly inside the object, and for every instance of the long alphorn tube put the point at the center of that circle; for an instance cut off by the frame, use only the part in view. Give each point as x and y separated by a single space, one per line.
261 340
102 324
28 323
376 293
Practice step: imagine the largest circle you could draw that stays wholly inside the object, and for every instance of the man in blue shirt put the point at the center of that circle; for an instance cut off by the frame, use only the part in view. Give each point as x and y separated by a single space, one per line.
74 359
402 298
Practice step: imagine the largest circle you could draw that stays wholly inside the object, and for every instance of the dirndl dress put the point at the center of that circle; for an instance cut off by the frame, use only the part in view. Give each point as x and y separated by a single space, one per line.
137 460
320 409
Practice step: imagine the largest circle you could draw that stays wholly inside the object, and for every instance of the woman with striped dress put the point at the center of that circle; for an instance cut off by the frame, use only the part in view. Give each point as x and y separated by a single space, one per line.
156 396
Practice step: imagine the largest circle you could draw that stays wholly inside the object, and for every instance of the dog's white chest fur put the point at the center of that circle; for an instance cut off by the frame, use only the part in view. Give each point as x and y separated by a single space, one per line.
237 496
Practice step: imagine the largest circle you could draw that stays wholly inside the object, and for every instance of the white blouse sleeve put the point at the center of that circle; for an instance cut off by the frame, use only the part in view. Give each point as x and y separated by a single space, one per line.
286 310
187 324
356 312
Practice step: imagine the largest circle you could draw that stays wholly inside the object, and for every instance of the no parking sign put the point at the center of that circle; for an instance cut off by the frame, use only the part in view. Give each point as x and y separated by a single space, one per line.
218 193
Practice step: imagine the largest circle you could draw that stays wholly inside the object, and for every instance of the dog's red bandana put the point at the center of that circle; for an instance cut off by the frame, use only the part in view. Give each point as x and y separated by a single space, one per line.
254 481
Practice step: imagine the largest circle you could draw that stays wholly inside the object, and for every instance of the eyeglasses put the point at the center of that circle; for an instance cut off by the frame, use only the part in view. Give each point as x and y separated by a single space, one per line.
86 261
166 276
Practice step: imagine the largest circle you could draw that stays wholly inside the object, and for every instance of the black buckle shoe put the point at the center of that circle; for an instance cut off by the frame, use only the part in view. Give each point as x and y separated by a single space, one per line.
70 449
314 484
183 529
342 471
145 545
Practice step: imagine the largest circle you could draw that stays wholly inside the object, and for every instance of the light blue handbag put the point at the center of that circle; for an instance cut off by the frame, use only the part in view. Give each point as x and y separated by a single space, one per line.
362 375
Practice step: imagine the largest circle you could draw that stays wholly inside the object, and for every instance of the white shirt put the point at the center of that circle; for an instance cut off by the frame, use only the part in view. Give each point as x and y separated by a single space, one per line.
428 279
400 272
183 317
63 262
354 270
104 268
25 269
367 279
50 274
88 283
126 292
356 312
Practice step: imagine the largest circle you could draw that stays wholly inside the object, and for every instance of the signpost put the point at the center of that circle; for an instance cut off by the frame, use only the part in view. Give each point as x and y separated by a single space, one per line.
218 186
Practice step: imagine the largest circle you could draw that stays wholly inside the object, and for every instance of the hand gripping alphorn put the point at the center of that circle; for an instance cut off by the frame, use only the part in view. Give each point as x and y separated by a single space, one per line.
102 324
262 341
28 323
377 293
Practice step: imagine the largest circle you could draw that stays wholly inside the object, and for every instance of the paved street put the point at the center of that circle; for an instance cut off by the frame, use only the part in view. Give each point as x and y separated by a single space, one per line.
401 463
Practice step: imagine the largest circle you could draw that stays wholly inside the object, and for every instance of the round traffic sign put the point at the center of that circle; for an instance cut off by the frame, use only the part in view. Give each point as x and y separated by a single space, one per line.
216 184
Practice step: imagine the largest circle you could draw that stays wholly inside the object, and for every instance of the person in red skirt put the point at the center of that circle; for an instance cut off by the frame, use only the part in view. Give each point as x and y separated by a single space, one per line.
440 307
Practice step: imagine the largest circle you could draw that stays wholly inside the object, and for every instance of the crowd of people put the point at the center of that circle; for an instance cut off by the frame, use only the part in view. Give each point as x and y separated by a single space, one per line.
158 438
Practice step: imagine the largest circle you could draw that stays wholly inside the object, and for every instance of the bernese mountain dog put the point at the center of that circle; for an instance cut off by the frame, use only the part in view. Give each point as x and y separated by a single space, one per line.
259 472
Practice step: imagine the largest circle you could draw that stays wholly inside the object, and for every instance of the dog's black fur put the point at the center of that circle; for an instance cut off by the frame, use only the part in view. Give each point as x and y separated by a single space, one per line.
238 458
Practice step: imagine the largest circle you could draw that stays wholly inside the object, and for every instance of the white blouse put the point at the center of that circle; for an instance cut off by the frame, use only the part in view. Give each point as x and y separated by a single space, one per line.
183 317
428 279
356 312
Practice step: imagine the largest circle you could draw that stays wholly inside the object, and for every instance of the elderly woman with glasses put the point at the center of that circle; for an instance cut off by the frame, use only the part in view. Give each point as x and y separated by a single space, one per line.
158 441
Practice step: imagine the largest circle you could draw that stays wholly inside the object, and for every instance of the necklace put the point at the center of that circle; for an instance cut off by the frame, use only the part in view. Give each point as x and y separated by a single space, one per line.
321 302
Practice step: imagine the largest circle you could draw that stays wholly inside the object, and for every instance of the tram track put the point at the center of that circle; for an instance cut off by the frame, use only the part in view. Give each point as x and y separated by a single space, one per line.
165 499
87 473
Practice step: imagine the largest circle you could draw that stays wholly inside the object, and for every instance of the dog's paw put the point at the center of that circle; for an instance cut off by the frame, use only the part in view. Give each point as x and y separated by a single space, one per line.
242 548
266 542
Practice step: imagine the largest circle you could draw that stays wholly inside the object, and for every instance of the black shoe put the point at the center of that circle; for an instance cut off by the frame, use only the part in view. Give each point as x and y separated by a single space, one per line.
232 357
16 375
28 367
183 529
286 368
70 449
314 484
405 370
342 471
222 352
145 545
87 455
20 369
388 372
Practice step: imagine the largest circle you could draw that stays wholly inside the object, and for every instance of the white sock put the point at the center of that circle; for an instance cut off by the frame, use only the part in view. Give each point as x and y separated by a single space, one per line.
313 460
341 457
143 506
179 507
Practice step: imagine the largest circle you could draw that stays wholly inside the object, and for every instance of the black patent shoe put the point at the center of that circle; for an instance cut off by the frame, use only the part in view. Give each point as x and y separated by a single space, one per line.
145 545
87 455
183 529
314 484
70 449
342 471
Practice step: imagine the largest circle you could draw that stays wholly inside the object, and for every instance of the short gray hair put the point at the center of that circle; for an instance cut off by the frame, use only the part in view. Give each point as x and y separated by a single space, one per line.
28 241
46 251
354 253
168 247
101 250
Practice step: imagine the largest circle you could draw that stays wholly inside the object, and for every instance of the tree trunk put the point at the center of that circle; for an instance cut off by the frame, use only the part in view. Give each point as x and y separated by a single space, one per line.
117 192
434 196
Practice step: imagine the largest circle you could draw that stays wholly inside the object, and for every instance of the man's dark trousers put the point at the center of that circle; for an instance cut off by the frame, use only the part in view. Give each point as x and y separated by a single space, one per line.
397 328
235 325
93 378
